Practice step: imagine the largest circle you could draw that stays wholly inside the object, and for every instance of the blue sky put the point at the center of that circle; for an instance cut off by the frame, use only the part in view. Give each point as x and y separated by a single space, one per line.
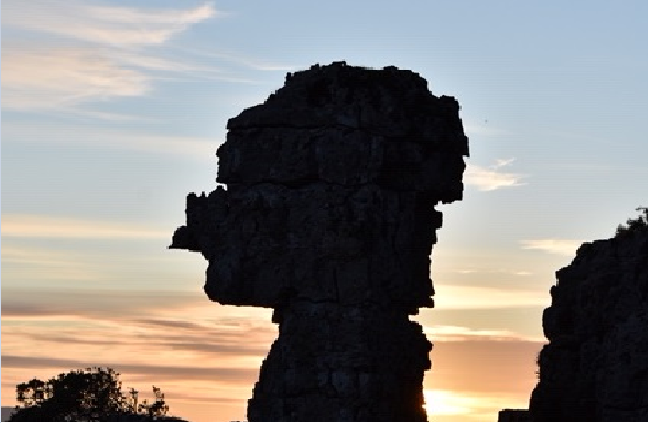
112 113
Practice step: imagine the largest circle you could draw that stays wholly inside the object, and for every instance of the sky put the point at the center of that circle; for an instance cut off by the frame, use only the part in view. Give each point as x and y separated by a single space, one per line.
112 113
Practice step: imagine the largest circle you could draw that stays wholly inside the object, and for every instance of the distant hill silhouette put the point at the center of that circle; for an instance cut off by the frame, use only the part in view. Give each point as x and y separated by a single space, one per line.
6 412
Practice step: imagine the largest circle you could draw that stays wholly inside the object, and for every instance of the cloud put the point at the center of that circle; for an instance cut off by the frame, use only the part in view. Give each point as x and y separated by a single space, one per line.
173 324
195 148
60 78
68 263
564 247
63 77
208 340
492 178
166 337
470 271
92 304
47 264
462 333
166 373
174 313
59 55
210 400
39 226
197 350
481 297
95 54
192 348
100 24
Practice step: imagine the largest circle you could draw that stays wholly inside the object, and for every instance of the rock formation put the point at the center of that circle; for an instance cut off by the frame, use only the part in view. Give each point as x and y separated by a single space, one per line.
595 367
513 415
329 219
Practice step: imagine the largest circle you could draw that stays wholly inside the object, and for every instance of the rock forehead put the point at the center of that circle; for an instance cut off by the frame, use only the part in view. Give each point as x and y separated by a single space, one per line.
350 125
391 101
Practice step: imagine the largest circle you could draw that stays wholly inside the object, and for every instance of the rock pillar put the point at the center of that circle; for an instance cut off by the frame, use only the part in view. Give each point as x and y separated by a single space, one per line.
329 219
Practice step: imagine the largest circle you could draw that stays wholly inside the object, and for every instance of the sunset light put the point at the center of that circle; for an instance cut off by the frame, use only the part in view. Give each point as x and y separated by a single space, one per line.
113 111
445 403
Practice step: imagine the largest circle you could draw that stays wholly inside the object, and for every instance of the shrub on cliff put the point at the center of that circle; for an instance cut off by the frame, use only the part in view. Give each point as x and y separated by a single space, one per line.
633 225
85 395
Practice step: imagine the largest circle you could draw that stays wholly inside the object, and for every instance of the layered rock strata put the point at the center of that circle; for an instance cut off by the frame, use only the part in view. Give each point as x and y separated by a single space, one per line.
329 219
595 367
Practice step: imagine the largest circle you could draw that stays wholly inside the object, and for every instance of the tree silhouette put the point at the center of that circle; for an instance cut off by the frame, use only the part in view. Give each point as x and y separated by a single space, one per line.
85 395
634 225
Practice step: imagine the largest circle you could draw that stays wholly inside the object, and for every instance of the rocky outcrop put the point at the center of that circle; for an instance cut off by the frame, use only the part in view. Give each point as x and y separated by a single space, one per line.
595 367
328 218
513 415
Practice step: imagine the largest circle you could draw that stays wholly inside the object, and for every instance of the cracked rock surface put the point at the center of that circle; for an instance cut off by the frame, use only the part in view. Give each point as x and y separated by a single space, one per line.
595 367
329 219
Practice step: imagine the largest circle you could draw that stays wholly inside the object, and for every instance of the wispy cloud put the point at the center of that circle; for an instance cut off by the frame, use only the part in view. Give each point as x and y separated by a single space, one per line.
60 78
470 271
41 264
88 52
40 226
198 353
477 297
64 262
50 79
492 177
101 24
197 148
173 325
98 51
462 333
93 304
194 349
564 247
222 374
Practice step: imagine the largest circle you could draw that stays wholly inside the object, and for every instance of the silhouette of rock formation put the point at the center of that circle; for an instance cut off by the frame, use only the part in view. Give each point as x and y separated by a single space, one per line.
595 367
329 219
513 415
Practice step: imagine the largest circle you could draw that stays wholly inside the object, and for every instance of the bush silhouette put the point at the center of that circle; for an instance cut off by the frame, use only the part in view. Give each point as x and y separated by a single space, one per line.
633 225
85 395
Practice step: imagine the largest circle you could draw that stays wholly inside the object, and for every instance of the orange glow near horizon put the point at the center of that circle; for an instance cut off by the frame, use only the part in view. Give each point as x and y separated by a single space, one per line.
206 358
439 403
